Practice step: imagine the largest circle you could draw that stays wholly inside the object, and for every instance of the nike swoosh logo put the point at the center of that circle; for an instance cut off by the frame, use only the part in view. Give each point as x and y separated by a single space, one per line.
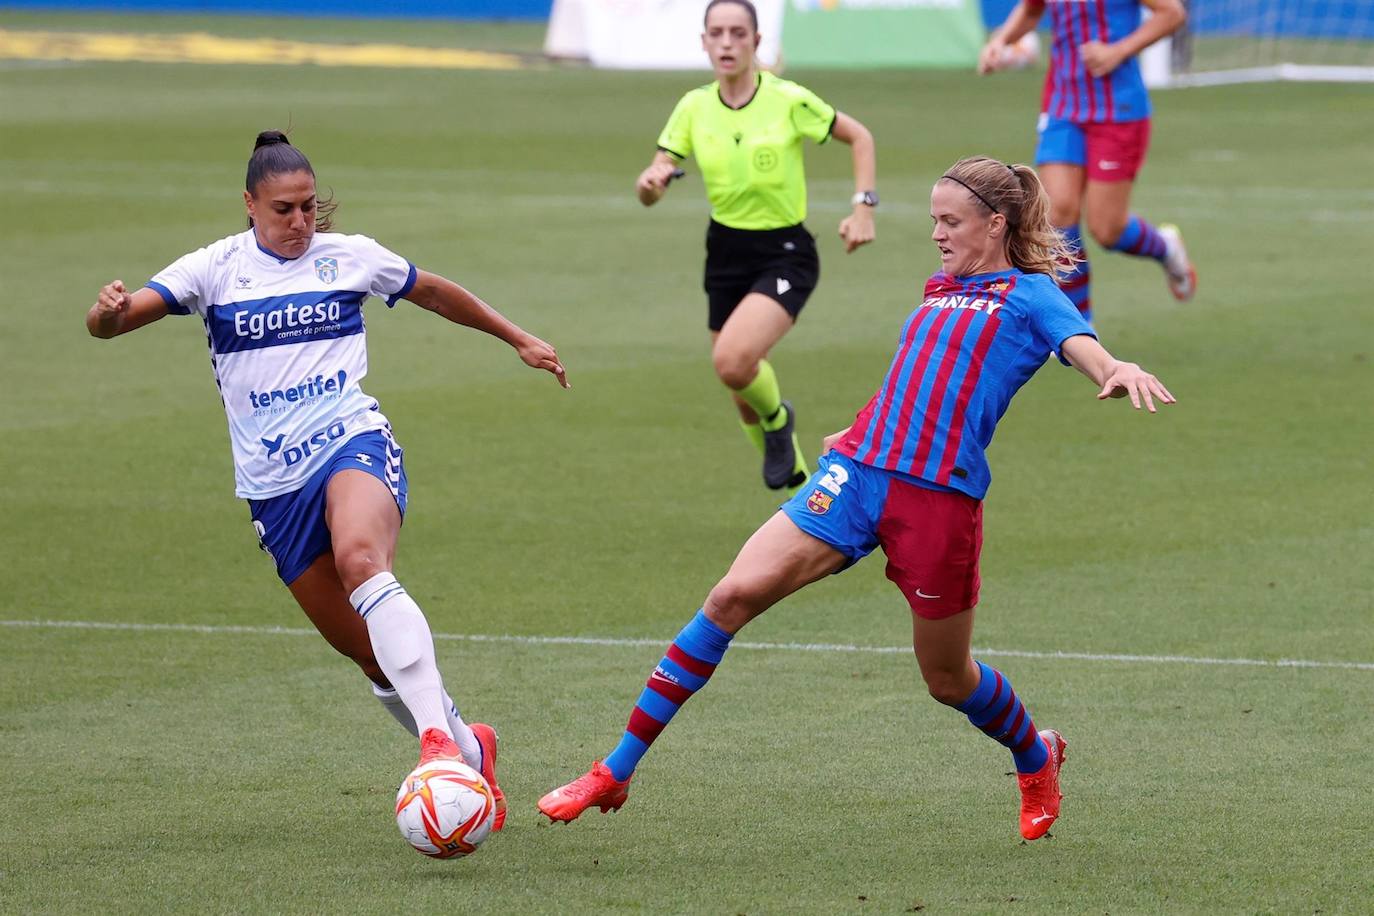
921 594
1043 817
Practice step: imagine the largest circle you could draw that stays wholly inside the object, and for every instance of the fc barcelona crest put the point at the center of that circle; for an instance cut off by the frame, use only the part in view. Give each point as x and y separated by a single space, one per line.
999 286
819 501
327 269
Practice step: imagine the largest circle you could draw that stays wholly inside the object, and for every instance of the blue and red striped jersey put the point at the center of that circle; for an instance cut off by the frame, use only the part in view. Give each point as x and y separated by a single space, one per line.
1070 93
966 349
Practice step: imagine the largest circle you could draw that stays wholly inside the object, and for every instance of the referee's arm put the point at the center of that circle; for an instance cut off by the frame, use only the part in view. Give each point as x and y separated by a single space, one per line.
653 181
857 228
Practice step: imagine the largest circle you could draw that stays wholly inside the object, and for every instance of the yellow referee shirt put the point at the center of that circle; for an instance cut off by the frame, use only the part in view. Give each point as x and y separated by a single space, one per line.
751 157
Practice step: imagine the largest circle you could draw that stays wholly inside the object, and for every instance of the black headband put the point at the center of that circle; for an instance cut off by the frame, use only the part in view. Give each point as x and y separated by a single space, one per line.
974 193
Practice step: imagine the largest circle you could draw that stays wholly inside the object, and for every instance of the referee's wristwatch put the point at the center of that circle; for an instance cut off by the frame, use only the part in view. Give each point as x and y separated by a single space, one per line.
867 198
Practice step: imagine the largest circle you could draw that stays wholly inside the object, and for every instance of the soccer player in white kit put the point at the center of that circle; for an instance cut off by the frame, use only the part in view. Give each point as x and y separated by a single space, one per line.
313 454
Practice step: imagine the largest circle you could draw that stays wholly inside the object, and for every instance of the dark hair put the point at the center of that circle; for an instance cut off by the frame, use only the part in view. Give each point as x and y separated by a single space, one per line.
1033 244
748 8
273 154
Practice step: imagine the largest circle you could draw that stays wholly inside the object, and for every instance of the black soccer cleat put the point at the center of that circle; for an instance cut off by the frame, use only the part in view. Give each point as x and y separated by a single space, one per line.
779 452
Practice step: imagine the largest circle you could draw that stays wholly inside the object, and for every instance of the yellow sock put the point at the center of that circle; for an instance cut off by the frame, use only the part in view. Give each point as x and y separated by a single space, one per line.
801 466
763 396
754 433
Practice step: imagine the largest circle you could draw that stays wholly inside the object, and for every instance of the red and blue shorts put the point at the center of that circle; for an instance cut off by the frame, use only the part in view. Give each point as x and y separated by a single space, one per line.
932 536
1109 152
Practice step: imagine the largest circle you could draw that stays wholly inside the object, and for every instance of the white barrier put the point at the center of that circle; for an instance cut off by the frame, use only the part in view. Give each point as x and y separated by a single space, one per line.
646 34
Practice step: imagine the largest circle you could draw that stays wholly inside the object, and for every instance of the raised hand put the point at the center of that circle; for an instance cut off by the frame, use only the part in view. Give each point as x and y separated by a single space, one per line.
113 302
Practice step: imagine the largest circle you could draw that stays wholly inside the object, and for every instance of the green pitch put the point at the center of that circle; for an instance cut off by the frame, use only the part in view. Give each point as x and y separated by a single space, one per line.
193 759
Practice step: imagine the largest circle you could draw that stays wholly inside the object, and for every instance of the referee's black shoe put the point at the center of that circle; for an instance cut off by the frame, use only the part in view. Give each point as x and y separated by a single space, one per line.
780 453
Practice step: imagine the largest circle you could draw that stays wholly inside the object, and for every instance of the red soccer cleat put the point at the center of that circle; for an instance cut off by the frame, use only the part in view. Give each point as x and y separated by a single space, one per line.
1040 795
486 737
435 744
597 787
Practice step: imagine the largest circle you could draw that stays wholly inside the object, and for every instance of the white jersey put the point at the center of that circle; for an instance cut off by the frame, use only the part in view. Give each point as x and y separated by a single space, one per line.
288 346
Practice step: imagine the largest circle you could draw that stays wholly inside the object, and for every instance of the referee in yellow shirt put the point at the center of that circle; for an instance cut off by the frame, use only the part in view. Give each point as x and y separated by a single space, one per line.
746 132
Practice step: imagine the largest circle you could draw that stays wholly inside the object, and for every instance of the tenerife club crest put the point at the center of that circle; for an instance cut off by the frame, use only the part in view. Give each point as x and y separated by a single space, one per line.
327 269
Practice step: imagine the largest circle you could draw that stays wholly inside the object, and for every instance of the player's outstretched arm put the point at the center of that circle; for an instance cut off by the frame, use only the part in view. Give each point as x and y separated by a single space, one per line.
857 228
1022 19
1117 379
444 297
652 183
1101 59
117 311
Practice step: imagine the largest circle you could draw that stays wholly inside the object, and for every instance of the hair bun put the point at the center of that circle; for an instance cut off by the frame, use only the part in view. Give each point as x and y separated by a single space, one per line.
269 137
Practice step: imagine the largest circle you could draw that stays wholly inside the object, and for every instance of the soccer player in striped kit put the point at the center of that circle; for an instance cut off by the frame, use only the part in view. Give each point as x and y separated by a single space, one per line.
1095 128
313 454
909 475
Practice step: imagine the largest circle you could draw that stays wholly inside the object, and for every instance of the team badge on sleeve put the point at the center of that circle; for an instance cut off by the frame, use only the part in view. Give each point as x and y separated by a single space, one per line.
327 269
819 502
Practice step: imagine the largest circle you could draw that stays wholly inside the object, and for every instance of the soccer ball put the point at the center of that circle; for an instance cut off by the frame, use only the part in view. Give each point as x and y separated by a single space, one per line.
445 809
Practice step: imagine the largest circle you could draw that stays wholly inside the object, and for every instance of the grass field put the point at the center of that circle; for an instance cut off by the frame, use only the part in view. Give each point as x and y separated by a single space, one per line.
185 744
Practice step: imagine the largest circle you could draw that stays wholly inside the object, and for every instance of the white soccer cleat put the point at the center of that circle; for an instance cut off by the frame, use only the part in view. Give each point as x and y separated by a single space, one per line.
1179 270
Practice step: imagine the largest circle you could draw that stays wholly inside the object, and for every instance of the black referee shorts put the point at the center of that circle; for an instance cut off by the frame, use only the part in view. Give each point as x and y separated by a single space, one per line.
780 263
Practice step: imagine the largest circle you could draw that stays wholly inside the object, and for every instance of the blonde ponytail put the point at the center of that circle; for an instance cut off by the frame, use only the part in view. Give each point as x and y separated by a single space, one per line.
1033 243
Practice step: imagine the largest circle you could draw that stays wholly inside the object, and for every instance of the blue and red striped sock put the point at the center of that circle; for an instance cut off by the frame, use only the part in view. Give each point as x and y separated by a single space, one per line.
996 709
686 668
1077 281
1141 239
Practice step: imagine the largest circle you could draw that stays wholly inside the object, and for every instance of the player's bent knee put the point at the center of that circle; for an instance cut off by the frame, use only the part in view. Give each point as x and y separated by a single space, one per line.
735 370
727 595
358 563
732 604
1106 234
1064 216
946 687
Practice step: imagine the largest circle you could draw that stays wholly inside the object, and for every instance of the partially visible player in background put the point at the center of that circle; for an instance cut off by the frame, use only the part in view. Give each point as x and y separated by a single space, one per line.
746 131
910 475
1095 128
313 454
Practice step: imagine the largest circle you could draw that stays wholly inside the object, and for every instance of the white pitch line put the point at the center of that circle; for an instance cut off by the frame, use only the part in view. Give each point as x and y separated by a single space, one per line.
660 641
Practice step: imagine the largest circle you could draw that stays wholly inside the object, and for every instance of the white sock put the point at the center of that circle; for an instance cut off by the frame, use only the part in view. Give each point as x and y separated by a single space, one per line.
404 648
467 741
392 702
